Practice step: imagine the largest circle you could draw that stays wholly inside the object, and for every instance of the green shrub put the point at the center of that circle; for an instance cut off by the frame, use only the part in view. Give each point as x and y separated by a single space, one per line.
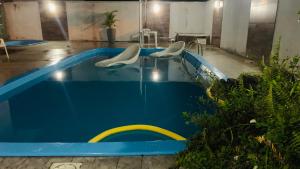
257 125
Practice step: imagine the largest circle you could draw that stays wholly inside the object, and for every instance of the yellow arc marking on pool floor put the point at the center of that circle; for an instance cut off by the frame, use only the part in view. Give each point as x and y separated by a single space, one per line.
121 129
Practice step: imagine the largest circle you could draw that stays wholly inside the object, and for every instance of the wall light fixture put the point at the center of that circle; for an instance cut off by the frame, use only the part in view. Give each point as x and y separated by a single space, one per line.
156 8
218 4
52 7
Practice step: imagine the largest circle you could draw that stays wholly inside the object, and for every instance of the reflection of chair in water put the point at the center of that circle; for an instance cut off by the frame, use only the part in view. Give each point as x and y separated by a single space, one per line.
2 45
129 56
174 49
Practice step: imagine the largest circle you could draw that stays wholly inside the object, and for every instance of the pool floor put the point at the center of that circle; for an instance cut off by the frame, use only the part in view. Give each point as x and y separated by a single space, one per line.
78 103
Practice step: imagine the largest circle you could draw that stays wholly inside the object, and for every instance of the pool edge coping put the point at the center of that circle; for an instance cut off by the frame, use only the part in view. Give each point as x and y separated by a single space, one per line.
37 42
165 147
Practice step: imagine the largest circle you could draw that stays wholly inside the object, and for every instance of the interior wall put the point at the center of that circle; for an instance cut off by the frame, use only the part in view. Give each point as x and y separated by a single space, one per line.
287 27
23 20
236 15
85 20
190 17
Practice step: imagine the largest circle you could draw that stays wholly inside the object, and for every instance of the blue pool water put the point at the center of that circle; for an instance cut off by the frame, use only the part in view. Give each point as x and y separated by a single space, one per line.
80 102
20 43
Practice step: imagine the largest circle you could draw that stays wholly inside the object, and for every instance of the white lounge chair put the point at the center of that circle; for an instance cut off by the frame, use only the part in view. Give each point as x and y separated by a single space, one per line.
174 49
128 56
2 45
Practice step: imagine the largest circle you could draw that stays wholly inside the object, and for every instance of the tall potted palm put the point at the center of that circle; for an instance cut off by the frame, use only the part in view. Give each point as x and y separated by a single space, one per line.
110 23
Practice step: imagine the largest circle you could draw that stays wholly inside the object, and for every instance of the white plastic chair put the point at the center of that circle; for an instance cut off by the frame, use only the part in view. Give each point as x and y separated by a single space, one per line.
146 33
2 45
174 49
128 56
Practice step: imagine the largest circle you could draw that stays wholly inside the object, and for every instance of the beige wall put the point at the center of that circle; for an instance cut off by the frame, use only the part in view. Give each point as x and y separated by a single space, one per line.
85 20
23 20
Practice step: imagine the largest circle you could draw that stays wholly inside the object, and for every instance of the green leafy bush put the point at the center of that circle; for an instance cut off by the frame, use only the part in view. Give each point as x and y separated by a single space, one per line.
256 126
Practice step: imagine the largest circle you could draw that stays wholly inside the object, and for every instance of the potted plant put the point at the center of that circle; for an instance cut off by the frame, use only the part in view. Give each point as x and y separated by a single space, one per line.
110 23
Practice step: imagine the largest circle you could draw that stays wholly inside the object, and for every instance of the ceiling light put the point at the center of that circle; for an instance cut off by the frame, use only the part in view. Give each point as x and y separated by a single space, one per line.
218 4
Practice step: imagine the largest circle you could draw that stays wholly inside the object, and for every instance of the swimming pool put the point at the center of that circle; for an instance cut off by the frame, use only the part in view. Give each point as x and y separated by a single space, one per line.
137 108
22 43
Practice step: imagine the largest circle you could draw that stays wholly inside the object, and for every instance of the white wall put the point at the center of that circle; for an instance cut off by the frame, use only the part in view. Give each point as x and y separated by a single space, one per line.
236 14
23 20
85 20
190 17
288 28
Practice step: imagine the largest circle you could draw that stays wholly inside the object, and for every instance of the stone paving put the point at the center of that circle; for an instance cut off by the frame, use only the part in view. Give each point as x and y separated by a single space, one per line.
137 162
